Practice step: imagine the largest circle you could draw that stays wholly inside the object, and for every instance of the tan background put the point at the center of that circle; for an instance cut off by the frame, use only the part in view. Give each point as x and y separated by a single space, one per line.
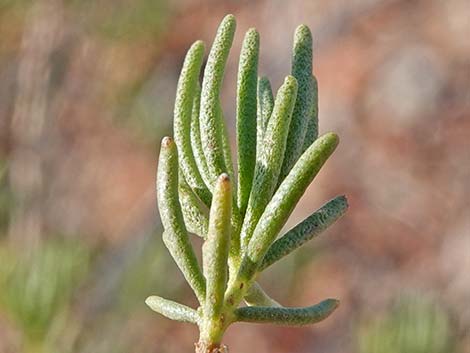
86 93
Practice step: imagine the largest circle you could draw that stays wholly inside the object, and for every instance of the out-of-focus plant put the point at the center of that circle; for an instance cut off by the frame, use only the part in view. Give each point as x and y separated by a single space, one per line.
415 325
279 154
6 199
38 283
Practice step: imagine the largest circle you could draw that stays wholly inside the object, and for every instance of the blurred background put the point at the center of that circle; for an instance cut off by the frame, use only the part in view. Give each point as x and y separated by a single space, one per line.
86 93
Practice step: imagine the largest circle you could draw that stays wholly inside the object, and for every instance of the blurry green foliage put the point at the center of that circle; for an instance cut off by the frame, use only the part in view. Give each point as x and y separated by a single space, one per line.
151 263
146 106
414 325
6 199
5 4
124 19
37 284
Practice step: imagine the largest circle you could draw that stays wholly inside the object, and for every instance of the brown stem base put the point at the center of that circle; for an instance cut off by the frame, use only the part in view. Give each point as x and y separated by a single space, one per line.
202 347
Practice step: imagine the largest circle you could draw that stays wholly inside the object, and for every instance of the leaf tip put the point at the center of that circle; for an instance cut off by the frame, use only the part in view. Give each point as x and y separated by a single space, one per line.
344 200
303 30
332 303
229 20
151 301
331 138
328 306
198 45
224 178
167 141
290 82
252 33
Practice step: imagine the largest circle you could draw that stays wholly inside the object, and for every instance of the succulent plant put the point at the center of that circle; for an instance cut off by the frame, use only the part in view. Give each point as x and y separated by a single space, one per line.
279 154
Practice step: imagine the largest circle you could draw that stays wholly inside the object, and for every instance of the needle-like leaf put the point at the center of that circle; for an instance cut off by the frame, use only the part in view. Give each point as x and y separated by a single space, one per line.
172 310
246 115
226 150
265 105
268 167
196 144
309 228
256 296
312 128
194 212
175 235
210 117
302 71
288 316
185 95
288 194
215 250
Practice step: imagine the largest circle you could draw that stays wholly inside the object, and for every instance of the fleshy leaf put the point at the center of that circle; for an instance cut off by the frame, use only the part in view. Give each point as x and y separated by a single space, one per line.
265 105
246 115
312 127
302 71
194 212
226 150
196 144
268 167
309 228
287 316
215 250
210 118
176 236
288 194
185 94
256 296
172 310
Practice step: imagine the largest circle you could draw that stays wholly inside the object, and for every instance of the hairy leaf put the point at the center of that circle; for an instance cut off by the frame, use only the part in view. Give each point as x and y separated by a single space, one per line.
210 118
196 143
172 310
175 235
309 228
302 71
185 94
256 296
312 127
215 250
286 197
194 212
268 167
246 115
288 316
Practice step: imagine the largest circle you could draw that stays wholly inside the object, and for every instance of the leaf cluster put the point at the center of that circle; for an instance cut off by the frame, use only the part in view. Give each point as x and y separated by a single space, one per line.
241 215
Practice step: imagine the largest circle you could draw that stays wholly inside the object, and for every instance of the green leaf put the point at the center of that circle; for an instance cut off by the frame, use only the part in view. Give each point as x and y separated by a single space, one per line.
312 126
279 154
309 228
302 71
215 250
196 144
268 167
246 115
175 235
236 217
288 194
172 310
194 212
265 105
185 94
210 118
256 296
226 150
287 316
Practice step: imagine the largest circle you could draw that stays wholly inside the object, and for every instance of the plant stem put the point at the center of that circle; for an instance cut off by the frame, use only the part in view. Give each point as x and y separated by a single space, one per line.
202 347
